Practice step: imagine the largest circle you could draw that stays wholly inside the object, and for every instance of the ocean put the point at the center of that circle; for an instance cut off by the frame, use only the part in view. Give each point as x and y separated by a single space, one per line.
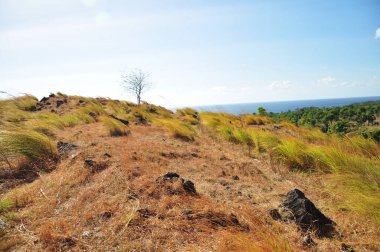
283 106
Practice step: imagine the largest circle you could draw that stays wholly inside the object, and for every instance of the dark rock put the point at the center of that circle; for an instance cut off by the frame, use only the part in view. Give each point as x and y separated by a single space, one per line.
47 103
235 177
171 175
52 95
306 215
194 154
308 241
146 213
44 99
140 119
107 155
65 147
125 122
274 214
59 103
32 109
82 102
92 114
189 186
66 242
94 166
346 248
106 215
53 111
187 211
223 157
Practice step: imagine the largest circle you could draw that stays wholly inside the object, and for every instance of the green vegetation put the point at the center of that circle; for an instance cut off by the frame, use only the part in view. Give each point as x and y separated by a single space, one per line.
178 128
340 120
351 162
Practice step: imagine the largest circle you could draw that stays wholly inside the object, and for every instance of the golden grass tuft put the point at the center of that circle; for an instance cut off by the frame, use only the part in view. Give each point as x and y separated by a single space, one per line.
179 129
115 127
20 142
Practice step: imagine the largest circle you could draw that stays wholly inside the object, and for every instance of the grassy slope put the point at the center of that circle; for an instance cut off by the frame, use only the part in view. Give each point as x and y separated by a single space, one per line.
340 175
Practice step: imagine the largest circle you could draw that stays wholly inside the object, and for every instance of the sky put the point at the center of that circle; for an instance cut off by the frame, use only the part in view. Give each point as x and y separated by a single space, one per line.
197 52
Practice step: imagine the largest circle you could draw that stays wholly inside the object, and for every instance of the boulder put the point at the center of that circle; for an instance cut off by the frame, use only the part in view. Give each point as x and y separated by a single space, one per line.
306 214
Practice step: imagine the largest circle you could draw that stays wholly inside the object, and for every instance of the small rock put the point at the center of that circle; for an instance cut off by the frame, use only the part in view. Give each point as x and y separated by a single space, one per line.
171 175
52 95
65 147
82 102
187 211
92 114
223 157
44 99
90 162
235 177
189 186
274 214
145 213
194 154
106 215
346 248
86 234
107 155
59 103
308 241
3 225
125 122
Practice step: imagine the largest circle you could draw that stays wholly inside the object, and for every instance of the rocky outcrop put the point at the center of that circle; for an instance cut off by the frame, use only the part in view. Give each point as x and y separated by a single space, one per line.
306 214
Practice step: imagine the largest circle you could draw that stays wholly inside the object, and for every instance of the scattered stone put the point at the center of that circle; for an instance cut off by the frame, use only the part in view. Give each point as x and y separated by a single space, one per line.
59 103
32 109
86 234
189 186
94 166
52 95
65 147
235 177
82 102
308 241
187 211
194 154
140 119
125 122
274 214
223 157
146 213
67 242
44 99
53 111
107 155
306 215
106 215
92 114
173 182
171 175
3 225
47 103
346 248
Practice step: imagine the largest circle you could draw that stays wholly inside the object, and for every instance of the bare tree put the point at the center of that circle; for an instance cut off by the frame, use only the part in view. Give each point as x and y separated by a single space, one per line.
136 83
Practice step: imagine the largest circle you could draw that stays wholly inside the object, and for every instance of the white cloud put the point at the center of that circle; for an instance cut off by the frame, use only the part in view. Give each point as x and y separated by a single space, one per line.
327 79
280 85
377 33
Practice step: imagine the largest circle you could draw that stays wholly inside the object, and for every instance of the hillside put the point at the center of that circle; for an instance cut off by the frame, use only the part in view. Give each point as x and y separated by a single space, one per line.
95 174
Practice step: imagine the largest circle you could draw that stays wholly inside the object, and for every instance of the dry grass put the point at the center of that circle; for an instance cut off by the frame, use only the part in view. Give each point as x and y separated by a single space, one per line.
122 208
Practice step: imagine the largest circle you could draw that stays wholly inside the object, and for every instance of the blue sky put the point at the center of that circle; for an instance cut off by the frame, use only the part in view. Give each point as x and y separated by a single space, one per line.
197 52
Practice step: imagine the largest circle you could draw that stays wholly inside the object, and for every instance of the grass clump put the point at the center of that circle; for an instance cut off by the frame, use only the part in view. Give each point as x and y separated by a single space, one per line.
27 143
178 128
6 205
115 127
